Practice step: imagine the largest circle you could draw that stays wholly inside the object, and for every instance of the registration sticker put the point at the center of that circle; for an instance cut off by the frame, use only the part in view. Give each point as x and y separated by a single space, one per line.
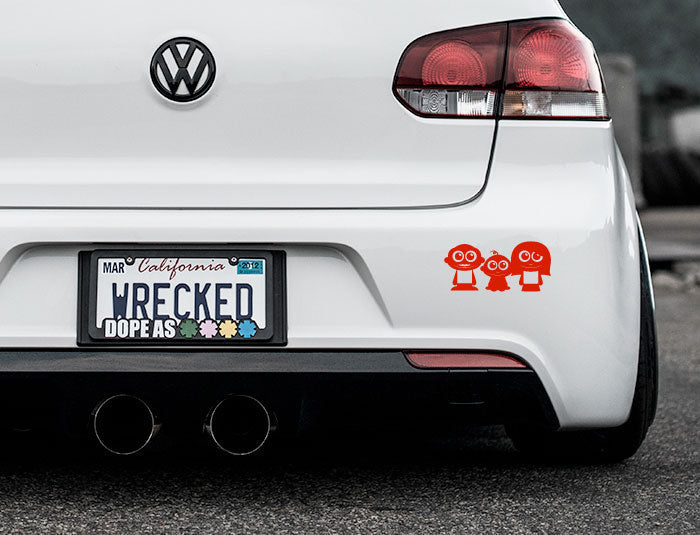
247 266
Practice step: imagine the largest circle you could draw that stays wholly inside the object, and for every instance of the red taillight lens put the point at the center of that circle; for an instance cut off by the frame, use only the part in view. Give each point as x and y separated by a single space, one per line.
454 63
547 58
551 71
453 74
451 360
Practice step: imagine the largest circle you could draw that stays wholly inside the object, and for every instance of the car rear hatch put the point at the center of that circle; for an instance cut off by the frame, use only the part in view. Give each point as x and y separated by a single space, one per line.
300 115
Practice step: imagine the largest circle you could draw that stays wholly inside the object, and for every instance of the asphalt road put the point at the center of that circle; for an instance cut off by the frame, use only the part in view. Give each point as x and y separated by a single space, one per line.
477 485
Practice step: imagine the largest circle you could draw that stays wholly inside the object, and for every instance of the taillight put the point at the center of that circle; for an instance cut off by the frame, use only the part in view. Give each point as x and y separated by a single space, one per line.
552 72
549 70
453 74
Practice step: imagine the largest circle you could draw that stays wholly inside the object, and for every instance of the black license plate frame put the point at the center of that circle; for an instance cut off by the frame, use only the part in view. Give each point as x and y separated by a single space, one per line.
274 333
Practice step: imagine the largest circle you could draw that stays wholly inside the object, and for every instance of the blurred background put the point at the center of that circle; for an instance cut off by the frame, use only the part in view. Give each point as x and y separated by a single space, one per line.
650 55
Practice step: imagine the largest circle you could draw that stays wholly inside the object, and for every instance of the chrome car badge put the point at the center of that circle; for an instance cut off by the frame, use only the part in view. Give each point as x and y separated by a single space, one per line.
183 69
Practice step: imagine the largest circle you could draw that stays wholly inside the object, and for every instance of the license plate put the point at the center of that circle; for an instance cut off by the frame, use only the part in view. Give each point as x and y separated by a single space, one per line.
182 297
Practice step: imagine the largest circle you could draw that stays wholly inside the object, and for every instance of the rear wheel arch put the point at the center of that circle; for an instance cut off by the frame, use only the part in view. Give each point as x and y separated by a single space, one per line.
618 443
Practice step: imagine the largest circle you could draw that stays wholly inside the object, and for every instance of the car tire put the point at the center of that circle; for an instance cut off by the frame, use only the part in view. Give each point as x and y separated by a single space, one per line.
611 444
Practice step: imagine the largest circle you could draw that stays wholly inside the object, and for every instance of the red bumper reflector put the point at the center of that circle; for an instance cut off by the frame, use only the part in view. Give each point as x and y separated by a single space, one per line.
462 360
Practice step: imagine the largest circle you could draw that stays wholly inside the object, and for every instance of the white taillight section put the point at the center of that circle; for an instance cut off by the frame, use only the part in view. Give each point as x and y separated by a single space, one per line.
466 103
560 104
548 70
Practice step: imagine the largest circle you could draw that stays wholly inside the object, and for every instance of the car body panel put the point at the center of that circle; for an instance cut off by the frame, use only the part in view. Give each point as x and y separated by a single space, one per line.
376 279
301 113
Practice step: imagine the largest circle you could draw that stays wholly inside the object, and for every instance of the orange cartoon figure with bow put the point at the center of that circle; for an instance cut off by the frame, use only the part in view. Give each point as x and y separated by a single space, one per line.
497 267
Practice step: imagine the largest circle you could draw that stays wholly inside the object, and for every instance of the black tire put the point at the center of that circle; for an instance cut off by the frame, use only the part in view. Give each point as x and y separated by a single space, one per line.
612 444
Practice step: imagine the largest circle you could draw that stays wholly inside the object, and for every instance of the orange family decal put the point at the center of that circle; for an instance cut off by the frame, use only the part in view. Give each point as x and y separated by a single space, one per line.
531 260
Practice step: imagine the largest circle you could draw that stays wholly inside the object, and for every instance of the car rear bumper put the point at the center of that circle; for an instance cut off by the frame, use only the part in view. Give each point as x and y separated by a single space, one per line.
376 280
301 389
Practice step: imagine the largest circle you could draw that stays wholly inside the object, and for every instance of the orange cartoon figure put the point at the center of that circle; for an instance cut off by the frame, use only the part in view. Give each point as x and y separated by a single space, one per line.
530 260
497 267
464 259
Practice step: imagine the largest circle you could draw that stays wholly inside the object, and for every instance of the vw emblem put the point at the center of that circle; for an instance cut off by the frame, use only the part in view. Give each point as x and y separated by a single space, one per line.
182 69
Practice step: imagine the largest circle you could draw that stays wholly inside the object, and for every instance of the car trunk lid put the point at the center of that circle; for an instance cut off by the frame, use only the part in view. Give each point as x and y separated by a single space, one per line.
300 115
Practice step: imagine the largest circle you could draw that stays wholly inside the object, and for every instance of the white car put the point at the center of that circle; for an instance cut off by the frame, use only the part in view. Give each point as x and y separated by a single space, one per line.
249 216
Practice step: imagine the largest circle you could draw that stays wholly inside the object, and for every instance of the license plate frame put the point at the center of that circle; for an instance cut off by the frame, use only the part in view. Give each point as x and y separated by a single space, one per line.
274 333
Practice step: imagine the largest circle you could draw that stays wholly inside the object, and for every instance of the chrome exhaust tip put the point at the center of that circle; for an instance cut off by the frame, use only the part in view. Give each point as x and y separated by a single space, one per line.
124 424
239 425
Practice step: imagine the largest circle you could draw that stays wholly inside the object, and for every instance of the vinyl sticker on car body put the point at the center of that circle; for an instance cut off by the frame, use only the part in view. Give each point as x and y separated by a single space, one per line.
529 261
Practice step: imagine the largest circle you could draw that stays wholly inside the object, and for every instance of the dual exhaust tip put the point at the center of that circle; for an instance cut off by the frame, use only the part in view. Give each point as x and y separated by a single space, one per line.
124 424
239 425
